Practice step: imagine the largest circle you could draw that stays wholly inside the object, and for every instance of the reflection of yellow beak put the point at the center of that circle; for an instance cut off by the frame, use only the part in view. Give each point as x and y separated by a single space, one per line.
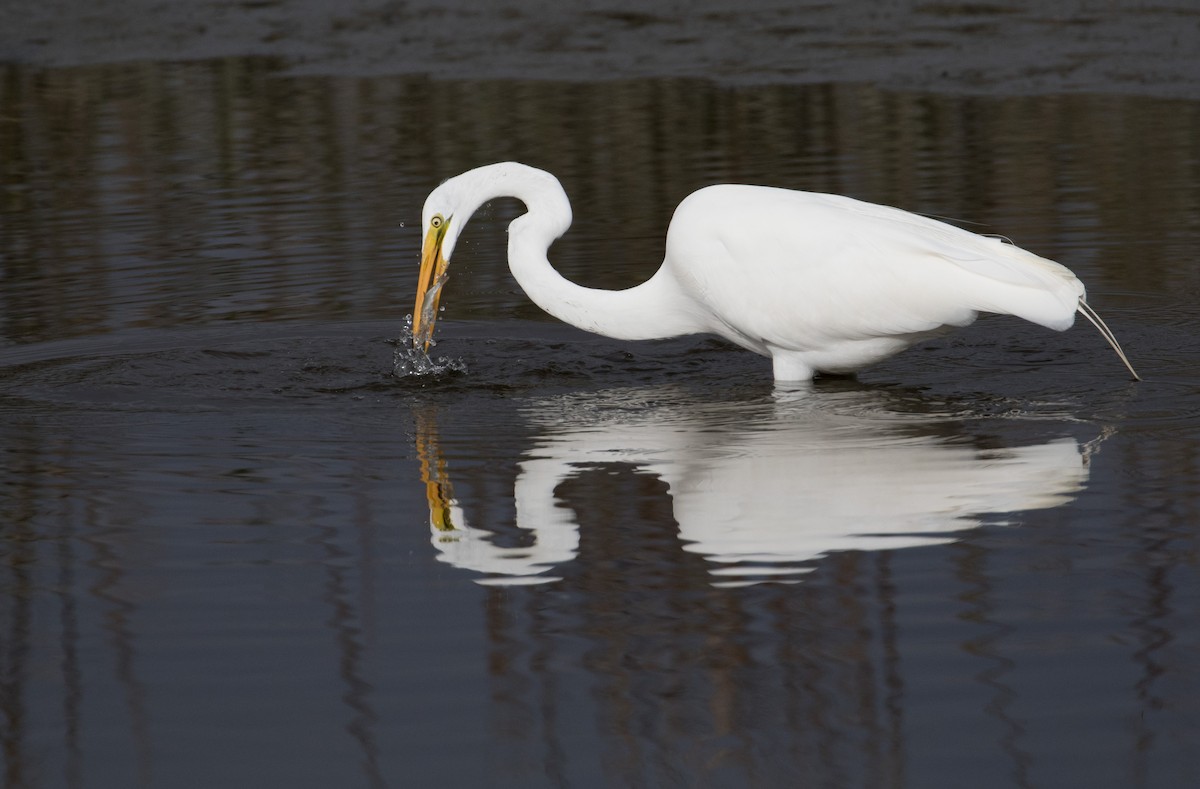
433 473
429 287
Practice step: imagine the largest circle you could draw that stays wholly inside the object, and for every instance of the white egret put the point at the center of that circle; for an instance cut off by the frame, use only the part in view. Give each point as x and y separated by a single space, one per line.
816 282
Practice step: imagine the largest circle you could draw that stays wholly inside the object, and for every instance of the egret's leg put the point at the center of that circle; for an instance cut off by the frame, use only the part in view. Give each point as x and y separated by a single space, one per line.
789 366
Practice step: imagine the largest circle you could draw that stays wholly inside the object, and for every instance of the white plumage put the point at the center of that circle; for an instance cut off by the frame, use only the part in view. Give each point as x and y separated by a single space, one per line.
816 282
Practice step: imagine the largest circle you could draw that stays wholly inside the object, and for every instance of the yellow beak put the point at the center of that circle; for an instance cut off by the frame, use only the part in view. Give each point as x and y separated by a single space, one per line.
429 286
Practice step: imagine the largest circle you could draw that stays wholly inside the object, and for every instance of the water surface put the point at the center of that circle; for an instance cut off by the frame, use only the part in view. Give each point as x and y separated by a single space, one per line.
238 550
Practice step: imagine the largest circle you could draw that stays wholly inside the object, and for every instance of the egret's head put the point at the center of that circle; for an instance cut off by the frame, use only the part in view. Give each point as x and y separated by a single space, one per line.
447 211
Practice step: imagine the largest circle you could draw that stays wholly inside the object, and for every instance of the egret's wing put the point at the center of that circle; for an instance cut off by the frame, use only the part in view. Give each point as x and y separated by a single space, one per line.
801 270
989 258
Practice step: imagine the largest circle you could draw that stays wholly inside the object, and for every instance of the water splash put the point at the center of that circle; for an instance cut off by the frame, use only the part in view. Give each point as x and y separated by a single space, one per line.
410 360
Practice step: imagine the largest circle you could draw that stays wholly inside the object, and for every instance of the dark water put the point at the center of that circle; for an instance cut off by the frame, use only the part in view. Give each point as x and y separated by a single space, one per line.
237 551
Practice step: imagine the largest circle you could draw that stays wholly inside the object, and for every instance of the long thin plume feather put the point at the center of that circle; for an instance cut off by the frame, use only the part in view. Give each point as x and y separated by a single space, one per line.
1094 317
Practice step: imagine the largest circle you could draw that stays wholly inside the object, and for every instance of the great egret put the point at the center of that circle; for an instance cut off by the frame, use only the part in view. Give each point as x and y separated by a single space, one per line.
817 282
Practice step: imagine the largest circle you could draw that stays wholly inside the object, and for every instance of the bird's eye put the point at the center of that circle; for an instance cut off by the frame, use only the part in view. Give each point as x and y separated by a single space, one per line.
436 222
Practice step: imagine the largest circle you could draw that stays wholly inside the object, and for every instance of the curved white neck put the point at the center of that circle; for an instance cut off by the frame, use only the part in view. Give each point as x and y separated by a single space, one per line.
655 309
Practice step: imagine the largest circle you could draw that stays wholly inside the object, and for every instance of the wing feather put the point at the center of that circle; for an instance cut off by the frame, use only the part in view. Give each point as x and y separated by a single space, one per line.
802 270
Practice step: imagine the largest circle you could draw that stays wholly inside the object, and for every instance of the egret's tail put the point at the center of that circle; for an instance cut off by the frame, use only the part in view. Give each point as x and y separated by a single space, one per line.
1095 320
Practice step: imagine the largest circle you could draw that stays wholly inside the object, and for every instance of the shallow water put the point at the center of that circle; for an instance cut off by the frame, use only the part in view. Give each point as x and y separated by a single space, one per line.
238 549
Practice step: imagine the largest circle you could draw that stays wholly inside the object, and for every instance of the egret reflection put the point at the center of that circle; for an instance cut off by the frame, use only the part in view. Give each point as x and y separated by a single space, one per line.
760 490
555 537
